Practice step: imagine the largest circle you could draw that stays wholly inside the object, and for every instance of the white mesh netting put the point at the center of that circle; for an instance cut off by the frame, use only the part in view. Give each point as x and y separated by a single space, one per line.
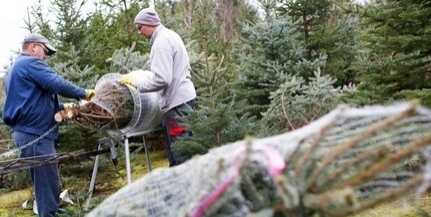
346 162
119 108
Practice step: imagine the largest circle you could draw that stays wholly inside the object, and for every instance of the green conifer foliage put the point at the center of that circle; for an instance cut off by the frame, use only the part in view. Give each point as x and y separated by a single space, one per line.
95 34
6 141
327 27
71 137
125 60
270 54
218 118
396 50
297 103
207 28
211 28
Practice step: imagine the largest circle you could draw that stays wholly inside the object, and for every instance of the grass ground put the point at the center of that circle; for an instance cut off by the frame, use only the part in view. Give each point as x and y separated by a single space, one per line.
10 205
406 207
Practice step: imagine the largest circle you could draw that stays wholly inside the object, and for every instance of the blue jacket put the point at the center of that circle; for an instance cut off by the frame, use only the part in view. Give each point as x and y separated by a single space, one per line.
31 96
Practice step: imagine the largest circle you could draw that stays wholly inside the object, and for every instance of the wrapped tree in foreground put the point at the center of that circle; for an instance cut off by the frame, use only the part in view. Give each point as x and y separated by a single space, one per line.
348 161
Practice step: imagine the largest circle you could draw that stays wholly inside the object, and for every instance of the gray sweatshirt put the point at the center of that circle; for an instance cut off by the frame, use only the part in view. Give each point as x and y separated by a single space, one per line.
170 67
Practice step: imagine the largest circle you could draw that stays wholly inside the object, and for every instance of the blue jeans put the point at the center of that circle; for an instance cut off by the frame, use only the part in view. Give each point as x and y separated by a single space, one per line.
174 130
45 179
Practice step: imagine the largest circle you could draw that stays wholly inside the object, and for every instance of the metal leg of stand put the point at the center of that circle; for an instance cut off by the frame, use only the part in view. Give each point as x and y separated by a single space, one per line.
93 179
147 153
127 152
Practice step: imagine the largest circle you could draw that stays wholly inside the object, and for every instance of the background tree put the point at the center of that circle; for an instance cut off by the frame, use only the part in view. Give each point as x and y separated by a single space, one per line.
298 102
94 34
327 27
219 117
270 53
394 62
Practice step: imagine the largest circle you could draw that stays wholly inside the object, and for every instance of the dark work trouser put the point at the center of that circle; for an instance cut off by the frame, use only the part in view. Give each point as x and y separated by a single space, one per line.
46 179
174 130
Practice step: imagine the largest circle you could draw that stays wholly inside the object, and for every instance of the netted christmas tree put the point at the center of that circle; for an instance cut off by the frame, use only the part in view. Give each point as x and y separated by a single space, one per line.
114 105
117 107
344 163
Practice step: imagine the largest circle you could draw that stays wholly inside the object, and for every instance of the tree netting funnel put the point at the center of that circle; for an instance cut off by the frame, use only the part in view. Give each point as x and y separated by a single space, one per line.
119 108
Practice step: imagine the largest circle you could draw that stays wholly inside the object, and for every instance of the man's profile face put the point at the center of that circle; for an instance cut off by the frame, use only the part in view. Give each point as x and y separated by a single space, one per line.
144 30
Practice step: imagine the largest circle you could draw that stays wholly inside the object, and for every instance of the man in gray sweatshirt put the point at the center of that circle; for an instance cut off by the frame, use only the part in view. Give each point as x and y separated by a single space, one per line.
170 67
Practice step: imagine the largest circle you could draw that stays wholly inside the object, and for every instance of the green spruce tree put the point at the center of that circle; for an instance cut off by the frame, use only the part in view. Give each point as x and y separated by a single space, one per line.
270 53
218 118
298 102
394 63
327 27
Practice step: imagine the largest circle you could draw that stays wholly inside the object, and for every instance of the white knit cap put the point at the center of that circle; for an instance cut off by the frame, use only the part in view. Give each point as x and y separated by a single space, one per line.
148 17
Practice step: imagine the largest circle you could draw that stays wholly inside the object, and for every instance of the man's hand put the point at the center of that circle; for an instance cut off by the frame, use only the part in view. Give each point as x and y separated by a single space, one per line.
127 79
89 94
69 105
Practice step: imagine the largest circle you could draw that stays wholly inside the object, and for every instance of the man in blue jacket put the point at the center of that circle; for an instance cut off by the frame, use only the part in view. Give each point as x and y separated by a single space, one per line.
31 103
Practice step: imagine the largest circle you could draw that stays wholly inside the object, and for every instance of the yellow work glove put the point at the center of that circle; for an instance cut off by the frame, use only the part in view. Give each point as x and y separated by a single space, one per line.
69 105
127 79
89 94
